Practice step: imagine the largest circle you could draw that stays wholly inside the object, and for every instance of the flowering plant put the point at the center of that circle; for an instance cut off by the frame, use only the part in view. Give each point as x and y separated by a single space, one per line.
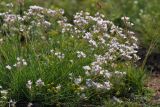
84 60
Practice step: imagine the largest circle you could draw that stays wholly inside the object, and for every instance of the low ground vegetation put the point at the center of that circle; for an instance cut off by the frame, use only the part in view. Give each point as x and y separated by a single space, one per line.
56 57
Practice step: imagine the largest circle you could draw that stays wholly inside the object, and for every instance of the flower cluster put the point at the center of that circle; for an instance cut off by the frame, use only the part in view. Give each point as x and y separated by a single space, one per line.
33 18
81 54
3 93
58 54
99 42
20 63
126 21
39 83
3 96
100 33
39 88
118 44
29 84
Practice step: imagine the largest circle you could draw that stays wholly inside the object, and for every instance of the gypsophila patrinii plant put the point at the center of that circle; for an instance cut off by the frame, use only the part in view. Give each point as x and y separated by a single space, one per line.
51 60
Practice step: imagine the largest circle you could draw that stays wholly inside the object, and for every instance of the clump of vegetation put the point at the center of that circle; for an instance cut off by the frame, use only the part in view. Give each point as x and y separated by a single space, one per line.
48 60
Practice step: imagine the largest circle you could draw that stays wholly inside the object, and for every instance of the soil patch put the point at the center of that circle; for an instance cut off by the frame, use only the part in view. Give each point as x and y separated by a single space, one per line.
154 83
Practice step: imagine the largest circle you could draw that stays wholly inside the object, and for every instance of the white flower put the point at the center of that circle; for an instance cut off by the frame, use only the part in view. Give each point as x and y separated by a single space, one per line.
135 2
78 80
8 67
120 74
2 14
51 12
39 82
81 54
25 63
102 40
106 35
88 82
29 105
18 58
4 92
107 85
125 18
87 68
83 95
58 87
12 103
107 74
9 5
87 73
36 8
71 61
4 97
97 85
92 42
117 100
46 24
1 40
10 18
29 84
88 35
51 50
97 68
59 55
20 62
